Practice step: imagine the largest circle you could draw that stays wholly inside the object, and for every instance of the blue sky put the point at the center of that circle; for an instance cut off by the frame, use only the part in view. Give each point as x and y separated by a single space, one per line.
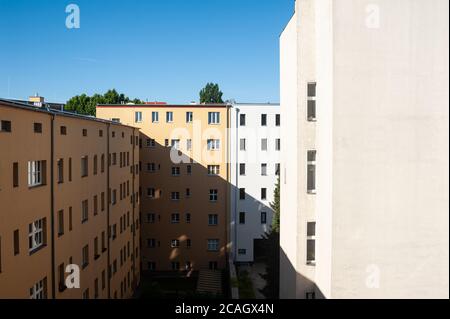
164 50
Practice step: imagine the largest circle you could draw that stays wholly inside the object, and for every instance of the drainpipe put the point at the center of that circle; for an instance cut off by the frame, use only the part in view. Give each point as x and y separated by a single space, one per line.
52 202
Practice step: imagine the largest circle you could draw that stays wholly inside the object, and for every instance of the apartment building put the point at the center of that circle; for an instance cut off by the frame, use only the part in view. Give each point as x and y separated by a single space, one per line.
183 183
364 180
69 198
255 147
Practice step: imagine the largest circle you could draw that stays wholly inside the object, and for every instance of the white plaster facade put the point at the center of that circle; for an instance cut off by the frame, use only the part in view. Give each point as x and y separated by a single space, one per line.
381 137
242 236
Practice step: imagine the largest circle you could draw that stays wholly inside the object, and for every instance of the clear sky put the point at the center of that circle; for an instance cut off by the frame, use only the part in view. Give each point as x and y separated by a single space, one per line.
164 50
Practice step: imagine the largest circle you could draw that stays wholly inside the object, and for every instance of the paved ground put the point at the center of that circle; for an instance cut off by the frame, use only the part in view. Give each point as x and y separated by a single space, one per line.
258 282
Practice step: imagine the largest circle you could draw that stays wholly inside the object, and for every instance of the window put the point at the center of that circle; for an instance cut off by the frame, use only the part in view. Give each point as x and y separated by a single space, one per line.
311 102
151 192
84 211
189 117
213 169
175 171
95 164
36 174
189 144
60 223
175 265
213 118
36 234
187 266
103 241
155 117
189 169
212 265
188 218
100 133
16 174
85 256
242 144
151 265
151 167
37 127
277 169
188 192
263 218
115 120
175 219
84 132
213 245
16 242
213 144
277 144
242 251
102 163
213 195
242 218
176 144
114 197
213 219
263 119
169 117
95 205
138 117
175 243
150 142
175 195
311 177
263 193
242 119
70 169
311 243
39 290
5 126
263 169
102 201
277 120
310 295
264 144
61 277
151 243
151 218
84 166
242 193
60 165
70 219
242 169
166 142
96 254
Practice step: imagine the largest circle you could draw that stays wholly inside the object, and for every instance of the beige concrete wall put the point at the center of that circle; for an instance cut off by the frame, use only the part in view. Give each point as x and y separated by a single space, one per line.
382 148
390 150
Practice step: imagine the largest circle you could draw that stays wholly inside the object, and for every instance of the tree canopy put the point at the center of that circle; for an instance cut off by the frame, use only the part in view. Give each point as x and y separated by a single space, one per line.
211 94
275 205
84 104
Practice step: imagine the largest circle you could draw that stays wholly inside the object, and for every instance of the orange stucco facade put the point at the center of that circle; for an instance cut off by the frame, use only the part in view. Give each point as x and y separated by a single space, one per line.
66 213
185 189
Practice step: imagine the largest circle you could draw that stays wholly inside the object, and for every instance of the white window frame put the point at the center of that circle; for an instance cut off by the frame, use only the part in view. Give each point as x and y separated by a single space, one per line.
176 171
213 170
36 235
214 118
169 117
189 117
213 219
213 195
35 173
175 196
175 143
38 290
213 144
155 117
138 117
175 218
311 163
308 238
175 243
213 245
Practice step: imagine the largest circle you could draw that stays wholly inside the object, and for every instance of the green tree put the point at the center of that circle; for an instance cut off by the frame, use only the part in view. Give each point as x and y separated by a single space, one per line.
211 94
86 105
275 205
